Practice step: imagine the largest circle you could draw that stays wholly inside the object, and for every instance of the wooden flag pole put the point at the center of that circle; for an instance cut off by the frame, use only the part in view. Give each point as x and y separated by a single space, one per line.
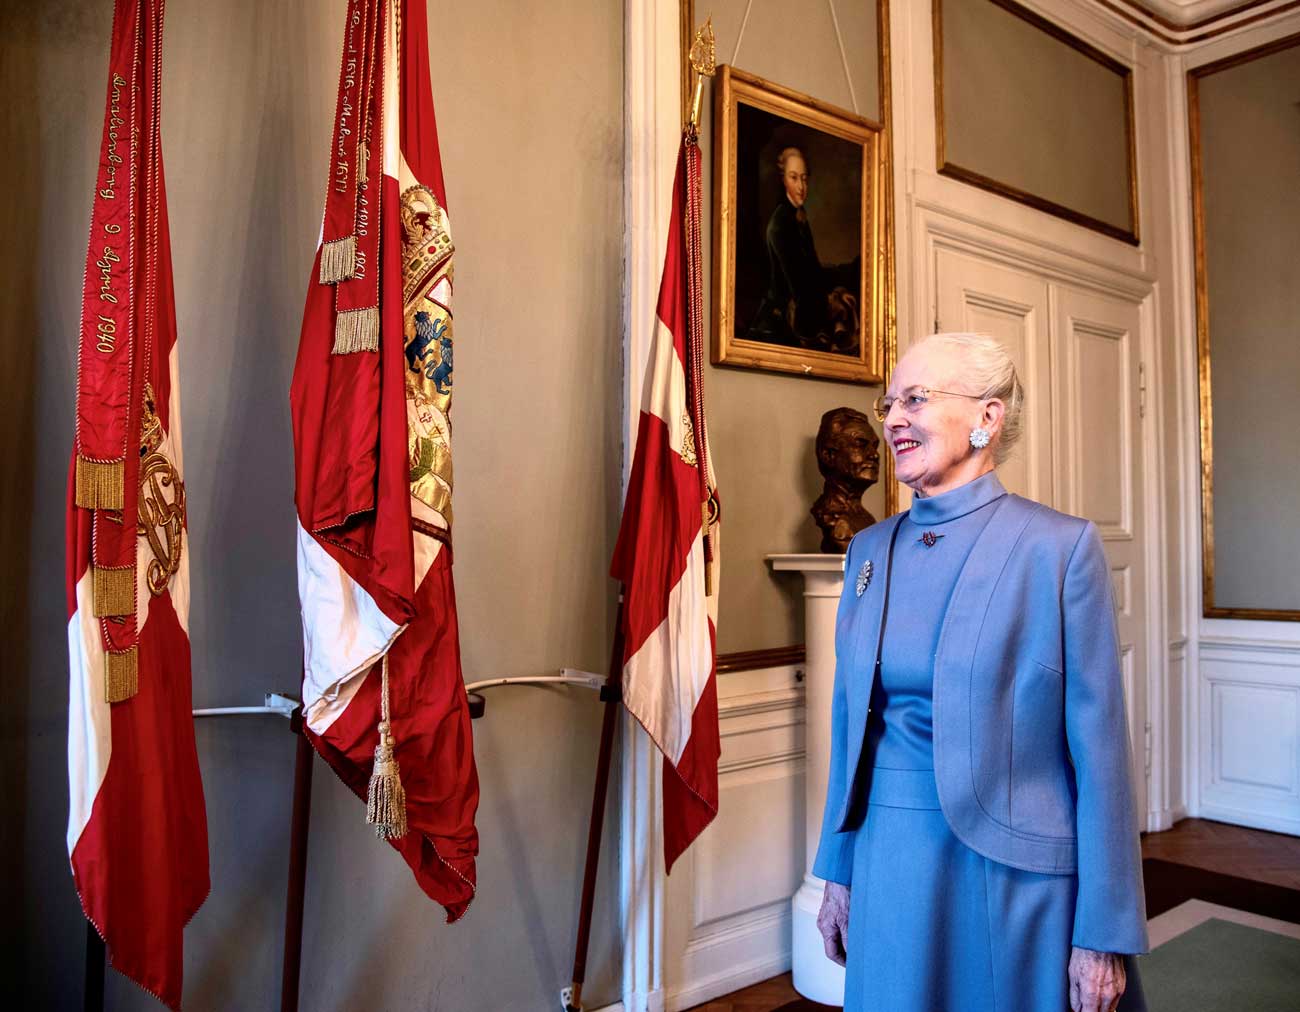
611 694
701 56
300 823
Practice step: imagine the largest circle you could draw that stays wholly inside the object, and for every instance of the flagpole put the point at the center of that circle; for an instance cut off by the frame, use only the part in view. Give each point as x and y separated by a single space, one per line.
300 822
611 694
701 57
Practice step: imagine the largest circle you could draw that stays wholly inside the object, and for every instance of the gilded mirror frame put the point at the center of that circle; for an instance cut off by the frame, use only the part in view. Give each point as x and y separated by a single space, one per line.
1209 609
945 167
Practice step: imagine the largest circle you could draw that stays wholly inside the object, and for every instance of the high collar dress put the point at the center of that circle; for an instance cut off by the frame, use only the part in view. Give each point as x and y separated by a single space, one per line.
934 926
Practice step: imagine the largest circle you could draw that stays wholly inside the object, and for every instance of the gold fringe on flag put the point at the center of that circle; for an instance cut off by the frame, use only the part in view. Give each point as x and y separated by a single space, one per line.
121 675
356 330
113 590
338 260
100 485
386 803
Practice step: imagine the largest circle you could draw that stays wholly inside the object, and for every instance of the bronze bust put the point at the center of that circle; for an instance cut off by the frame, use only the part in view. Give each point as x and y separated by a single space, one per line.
848 457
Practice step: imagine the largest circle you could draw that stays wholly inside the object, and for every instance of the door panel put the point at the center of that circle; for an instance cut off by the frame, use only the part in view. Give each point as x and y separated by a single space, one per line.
1101 478
974 295
1077 354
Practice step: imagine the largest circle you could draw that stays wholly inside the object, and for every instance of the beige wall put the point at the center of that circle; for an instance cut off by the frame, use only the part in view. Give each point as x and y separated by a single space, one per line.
1026 109
762 425
532 144
1250 143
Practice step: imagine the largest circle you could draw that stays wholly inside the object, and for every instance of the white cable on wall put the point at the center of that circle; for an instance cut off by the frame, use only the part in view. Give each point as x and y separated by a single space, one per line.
844 59
839 42
741 34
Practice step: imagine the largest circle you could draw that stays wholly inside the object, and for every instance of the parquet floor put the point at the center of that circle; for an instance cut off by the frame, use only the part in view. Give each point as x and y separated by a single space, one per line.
769 996
1231 850
1253 854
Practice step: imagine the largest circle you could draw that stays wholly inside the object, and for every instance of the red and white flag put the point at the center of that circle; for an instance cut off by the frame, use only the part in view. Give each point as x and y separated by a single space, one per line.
137 828
667 551
383 697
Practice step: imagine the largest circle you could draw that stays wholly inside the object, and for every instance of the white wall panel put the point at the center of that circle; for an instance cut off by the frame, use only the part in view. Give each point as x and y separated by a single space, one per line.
728 901
1254 728
1102 424
1250 733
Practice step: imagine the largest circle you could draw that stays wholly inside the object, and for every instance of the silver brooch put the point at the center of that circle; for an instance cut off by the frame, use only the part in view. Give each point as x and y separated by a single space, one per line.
864 576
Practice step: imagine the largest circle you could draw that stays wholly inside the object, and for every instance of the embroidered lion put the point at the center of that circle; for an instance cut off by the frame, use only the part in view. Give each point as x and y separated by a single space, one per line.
419 352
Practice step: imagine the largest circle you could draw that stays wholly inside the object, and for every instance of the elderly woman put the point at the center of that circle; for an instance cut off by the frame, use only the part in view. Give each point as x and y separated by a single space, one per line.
979 842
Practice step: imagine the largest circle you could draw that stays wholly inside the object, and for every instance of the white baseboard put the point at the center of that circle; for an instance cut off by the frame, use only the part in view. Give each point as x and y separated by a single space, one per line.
734 979
1163 819
652 1002
1250 819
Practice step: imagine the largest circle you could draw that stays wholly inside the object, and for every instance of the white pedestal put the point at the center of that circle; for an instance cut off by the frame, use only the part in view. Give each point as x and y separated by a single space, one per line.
815 976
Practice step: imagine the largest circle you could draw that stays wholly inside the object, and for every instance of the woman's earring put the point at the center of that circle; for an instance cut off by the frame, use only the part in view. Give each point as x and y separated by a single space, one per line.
979 437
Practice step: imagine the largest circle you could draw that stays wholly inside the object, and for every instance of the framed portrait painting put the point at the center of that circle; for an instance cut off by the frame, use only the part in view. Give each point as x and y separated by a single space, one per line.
798 233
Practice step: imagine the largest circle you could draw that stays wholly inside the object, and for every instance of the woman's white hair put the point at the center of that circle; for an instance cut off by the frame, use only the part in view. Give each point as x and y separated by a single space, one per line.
987 371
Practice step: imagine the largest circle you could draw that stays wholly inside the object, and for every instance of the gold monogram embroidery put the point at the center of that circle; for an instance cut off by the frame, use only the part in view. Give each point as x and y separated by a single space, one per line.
161 513
688 442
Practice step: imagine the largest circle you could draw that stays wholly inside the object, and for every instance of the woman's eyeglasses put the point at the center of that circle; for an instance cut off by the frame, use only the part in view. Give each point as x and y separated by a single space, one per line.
913 400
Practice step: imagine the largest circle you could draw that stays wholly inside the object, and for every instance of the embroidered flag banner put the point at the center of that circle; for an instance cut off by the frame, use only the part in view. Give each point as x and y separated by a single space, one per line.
137 828
666 555
383 697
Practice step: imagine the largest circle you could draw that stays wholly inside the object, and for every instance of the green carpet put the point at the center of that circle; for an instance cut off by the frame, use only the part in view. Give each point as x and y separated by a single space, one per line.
1220 966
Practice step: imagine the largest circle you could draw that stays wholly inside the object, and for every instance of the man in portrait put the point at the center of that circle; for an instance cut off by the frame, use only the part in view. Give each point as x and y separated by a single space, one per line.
805 304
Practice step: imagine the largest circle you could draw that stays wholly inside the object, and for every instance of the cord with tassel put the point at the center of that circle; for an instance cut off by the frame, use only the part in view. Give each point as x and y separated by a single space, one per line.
386 803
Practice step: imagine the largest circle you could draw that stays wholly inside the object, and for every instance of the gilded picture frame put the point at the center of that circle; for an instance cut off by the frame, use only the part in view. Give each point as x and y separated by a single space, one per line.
832 321
1210 607
946 166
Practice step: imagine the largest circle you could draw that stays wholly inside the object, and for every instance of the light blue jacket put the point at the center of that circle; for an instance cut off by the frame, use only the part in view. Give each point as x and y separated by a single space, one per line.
1031 748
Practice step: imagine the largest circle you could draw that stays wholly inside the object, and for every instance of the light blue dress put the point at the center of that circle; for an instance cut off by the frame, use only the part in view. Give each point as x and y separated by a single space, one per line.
933 925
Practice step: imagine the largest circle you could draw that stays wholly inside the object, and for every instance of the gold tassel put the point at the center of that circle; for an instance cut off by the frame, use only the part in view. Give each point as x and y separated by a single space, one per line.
100 484
113 590
386 802
121 675
338 260
356 330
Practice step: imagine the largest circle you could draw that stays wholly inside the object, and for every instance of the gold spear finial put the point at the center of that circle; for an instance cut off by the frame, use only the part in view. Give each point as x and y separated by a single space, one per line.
704 63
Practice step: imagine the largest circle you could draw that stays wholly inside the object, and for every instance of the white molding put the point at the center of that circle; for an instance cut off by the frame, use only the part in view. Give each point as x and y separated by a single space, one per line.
1243 668
732 932
1248 38
1184 40
1088 20
1284 651
1220 630
1180 297
752 703
1249 818
1157 651
984 231
764 968
1184 12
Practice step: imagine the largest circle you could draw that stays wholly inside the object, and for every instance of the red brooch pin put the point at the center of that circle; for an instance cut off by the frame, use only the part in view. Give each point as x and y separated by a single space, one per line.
929 538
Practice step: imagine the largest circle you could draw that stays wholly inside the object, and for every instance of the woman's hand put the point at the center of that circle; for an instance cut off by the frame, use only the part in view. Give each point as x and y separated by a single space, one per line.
833 922
1097 979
